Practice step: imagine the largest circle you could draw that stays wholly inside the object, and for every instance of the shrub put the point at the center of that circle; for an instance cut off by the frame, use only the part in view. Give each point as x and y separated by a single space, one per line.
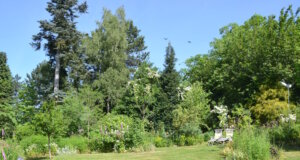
102 143
162 142
208 135
78 143
118 133
35 145
135 136
199 138
181 140
251 144
285 134
191 141
24 130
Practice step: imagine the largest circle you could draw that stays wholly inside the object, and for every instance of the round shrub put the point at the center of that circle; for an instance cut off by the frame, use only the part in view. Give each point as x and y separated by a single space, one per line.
191 141
76 142
35 145
181 140
207 136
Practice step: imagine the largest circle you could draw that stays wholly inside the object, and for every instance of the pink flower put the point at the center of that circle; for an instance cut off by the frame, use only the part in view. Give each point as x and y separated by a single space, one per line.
3 154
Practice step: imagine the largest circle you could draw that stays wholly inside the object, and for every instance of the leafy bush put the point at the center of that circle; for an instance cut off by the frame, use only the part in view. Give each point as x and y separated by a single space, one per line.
78 143
251 144
102 143
118 133
162 142
285 134
135 136
181 140
35 145
208 135
191 141
24 131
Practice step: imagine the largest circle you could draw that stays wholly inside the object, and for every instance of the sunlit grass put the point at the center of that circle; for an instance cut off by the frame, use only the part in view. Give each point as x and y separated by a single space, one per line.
202 152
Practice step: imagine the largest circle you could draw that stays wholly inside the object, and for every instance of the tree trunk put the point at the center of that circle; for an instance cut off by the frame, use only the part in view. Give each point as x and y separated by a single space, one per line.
56 75
49 147
88 129
107 105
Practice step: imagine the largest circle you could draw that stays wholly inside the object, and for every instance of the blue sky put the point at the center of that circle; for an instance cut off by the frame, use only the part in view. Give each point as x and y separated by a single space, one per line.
180 21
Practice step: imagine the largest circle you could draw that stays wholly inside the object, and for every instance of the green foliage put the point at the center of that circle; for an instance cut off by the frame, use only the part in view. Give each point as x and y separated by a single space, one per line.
50 120
81 110
141 93
262 51
169 82
135 136
61 36
170 77
191 141
76 142
162 142
271 103
6 83
252 144
7 114
106 51
7 119
181 140
38 85
285 134
208 135
34 145
241 116
192 113
24 130
12 150
117 133
112 86
136 46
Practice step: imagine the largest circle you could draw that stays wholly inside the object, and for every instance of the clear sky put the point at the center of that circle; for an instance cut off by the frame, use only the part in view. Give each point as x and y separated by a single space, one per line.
180 21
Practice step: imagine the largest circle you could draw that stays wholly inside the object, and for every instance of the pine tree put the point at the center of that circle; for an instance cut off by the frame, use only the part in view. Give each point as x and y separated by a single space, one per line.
169 83
6 85
170 77
7 116
60 33
136 53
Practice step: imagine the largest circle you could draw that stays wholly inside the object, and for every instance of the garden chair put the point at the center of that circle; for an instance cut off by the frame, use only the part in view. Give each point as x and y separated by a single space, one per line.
218 135
229 133
228 137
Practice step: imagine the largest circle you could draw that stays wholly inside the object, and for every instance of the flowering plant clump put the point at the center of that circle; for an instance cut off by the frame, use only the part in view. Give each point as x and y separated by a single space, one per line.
117 133
222 112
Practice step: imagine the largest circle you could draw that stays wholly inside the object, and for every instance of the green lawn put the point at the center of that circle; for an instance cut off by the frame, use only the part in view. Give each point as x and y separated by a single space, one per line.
202 152
291 155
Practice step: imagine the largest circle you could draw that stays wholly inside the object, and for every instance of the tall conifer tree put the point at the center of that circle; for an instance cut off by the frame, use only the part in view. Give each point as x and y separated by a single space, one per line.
60 33
169 83
170 77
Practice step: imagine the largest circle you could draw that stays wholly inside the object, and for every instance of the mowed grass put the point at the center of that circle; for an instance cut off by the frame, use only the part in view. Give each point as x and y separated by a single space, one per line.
202 152
291 155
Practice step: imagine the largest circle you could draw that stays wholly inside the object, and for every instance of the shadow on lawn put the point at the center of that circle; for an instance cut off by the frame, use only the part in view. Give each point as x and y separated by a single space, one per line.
37 158
291 148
